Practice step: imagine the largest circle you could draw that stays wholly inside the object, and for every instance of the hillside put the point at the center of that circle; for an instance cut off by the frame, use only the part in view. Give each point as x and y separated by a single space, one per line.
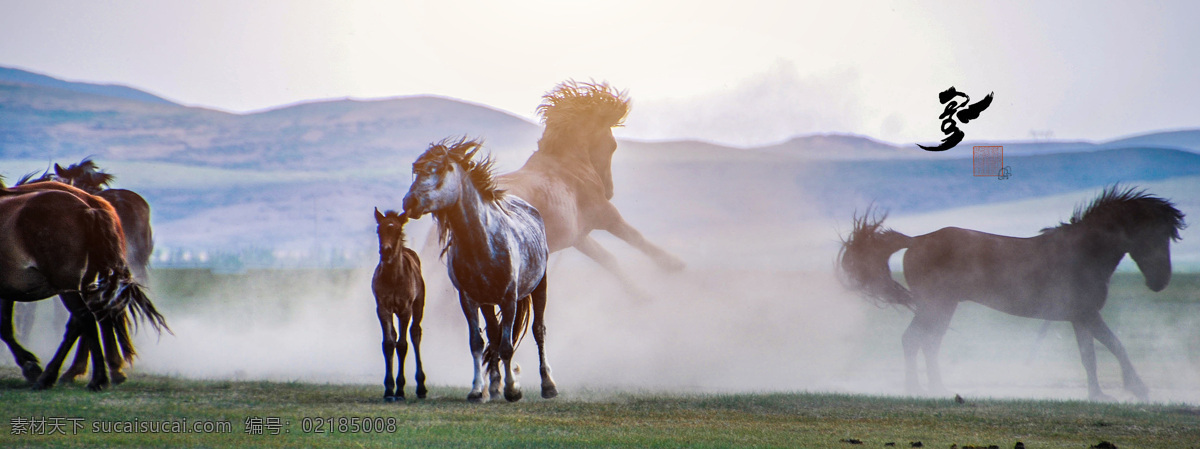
306 177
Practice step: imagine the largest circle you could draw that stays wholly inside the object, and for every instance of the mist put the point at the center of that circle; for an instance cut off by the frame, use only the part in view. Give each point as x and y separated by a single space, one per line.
759 309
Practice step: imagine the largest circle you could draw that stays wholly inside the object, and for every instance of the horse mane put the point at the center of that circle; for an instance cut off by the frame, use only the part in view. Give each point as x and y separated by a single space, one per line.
572 105
1128 206
462 151
88 175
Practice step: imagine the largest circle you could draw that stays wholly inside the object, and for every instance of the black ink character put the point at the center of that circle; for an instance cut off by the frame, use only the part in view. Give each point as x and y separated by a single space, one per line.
965 115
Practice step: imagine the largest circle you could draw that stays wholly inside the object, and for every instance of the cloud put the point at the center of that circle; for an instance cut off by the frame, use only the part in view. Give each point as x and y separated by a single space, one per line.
771 106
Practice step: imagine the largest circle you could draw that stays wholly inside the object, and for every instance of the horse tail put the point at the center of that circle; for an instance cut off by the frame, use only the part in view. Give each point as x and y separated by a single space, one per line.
119 293
863 261
521 322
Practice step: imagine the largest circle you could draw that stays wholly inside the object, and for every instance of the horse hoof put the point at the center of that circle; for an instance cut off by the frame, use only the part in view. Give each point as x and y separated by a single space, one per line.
66 380
94 386
389 398
31 371
476 398
118 378
513 395
549 392
421 392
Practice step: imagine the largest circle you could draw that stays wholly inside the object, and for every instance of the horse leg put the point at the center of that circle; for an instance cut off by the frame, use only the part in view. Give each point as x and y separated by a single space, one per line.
471 312
78 324
1087 352
492 354
113 357
549 390
78 365
389 348
591 248
401 352
624 231
1133 383
508 316
25 359
912 340
414 333
939 322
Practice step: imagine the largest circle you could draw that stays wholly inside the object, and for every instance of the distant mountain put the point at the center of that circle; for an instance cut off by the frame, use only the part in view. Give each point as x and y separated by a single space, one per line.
46 122
308 175
17 76
1184 140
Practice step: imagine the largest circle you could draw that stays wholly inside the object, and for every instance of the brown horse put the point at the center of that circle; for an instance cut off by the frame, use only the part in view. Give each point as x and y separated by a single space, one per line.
1060 275
569 178
57 240
134 212
400 294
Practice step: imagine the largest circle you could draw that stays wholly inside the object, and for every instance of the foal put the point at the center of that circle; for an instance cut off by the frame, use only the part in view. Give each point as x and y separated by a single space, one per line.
400 292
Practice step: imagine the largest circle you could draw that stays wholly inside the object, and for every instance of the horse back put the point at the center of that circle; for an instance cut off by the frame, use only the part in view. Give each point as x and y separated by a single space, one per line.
134 212
515 262
1034 277
396 286
565 193
42 243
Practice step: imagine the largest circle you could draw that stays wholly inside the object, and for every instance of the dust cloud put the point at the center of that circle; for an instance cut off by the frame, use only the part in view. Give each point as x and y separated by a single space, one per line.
759 309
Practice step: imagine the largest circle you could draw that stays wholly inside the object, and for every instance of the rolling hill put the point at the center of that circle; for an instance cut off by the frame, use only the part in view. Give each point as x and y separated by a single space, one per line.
307 175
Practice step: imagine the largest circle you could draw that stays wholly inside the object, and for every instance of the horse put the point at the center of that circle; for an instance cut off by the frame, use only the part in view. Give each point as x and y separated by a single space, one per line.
134 212
399 292
569 178
1061 274
496 253
58 240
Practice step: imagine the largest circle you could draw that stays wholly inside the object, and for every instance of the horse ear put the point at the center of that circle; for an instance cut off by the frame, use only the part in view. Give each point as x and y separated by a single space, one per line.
58 170
378 216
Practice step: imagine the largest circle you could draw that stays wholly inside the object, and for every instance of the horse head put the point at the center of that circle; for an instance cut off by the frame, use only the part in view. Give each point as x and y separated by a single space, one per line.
1146 225
85 175
579 119
443 173
391 234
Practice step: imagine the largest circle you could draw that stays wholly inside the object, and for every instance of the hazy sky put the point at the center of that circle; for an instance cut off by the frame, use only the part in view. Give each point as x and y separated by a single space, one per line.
743 72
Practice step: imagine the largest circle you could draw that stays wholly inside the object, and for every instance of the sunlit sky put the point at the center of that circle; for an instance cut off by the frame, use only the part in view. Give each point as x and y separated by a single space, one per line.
742 73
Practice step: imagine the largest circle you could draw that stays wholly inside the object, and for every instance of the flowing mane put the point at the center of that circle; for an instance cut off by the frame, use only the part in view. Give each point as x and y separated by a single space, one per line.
573 105
1130 207
462 151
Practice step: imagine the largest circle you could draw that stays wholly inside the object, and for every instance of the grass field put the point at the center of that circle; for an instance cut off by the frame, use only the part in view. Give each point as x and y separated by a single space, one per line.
588 419
777 398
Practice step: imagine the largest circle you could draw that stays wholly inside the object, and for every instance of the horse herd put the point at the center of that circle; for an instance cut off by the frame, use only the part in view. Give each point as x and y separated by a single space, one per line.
67 236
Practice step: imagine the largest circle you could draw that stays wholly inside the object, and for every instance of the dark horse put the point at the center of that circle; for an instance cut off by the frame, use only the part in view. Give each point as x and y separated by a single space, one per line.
1062 274
134 212
496 252
400 294
58 240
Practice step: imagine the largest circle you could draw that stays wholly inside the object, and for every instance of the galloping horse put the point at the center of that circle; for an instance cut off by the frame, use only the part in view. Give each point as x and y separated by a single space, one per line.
134 212
569 178
1062 274
399 293
495 245
58 240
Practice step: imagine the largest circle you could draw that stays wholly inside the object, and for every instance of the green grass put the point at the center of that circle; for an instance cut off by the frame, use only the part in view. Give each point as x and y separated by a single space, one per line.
591 419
